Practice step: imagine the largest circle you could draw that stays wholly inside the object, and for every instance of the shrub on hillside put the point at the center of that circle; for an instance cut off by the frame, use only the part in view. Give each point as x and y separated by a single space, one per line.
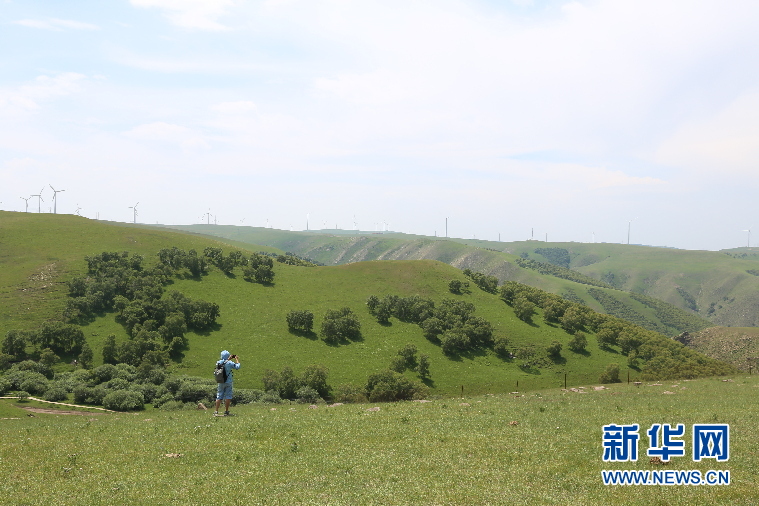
246 396
523 309
387 386
578 342
35 386
5 386
554 349
340 325
610 374
124 400
350 393
501 347
307 395
104 373
424 366
5 361
89 395
302 321
55 394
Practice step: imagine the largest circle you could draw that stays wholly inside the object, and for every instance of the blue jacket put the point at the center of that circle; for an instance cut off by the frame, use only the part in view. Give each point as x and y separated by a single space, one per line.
229 366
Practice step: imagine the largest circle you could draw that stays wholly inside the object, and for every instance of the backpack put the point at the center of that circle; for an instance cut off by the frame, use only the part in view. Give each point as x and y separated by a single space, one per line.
220 373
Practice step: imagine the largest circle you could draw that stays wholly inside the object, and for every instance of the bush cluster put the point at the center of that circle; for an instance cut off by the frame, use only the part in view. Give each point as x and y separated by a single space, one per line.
287 385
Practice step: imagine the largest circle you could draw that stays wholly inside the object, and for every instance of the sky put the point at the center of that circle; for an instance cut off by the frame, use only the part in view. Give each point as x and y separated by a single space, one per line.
585 121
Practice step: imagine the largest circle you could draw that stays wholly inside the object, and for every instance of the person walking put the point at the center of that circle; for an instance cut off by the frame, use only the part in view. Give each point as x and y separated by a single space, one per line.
224 390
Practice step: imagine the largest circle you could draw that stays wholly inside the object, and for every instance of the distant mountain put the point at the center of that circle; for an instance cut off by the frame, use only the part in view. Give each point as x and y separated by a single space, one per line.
717 288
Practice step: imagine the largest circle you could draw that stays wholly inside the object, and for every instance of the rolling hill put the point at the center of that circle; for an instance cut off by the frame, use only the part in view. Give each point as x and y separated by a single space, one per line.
41 253
706 288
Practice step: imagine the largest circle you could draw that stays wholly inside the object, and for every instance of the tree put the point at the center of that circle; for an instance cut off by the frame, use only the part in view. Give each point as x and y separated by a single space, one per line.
340 325
572 320
110 352
456 286
424 366
300 320
523 309
14 344
610 374
578 342
554 349
49 358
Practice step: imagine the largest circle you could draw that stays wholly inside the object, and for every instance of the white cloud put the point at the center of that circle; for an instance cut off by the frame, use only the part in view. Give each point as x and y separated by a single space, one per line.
197 14
56 24
240 107
725 142
168 133
42 88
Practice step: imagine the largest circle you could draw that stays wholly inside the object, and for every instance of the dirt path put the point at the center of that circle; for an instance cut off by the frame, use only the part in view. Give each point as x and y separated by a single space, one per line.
60 411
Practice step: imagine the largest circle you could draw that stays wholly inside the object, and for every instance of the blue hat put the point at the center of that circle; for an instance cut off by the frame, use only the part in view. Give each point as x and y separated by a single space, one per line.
225 355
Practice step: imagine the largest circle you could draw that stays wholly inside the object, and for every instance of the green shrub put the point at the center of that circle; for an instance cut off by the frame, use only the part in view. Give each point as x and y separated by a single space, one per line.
55 394
554 349
32 366
390 386
340 325
35 386
196 390
578 342
124 400
163 399
307 395
117 384
89 395
246 396
5 386
300 320
271 397
501 347
610 374
171 405
349 392
424 366
398 364
103 373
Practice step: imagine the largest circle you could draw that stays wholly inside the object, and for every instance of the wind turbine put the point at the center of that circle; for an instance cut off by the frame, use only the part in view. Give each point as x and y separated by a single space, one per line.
27 203
134 208
208 215
748 241
55 198
77 208
629 224
39 199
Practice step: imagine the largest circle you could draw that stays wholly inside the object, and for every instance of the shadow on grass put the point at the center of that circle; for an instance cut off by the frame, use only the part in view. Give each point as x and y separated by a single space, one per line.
207 332
583 352
342 341
308 334
558 360
428 382
530 369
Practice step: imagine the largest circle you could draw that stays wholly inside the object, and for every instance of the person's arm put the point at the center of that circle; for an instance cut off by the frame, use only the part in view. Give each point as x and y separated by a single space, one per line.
236 365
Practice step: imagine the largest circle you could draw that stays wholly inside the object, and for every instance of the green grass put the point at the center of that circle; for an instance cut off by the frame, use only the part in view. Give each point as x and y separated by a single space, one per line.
441 452
252 322
664 273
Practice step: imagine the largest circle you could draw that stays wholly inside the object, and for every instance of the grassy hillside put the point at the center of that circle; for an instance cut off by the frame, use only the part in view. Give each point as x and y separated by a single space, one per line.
252 322
538 448
734 345
503 261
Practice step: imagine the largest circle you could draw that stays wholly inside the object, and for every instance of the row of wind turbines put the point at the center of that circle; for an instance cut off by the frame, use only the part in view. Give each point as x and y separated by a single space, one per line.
40 200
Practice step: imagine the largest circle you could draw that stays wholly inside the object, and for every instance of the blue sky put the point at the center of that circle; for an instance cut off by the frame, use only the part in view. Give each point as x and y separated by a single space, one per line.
571 119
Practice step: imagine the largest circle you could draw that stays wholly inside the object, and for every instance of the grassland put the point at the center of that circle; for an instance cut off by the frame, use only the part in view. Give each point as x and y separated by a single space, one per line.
712 286
448 451
252 322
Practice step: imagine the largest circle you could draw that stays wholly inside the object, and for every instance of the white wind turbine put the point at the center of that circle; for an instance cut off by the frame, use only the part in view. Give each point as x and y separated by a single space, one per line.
134 209
55 198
